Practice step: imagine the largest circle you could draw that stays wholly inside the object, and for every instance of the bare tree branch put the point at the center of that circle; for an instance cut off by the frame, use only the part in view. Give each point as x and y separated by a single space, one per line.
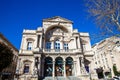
106 13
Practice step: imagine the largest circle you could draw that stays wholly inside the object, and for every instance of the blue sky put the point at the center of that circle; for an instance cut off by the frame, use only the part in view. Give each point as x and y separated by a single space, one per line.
16 15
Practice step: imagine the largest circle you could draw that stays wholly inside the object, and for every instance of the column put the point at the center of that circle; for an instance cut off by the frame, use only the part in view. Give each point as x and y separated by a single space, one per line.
75 43
40 41
64 69
39 65
22 47
35 67
79 43
83 67
53 73
42 69
75 68
80 61
19 66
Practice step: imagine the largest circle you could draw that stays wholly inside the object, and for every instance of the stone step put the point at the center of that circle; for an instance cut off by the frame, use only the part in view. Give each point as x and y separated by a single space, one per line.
62 78
73 78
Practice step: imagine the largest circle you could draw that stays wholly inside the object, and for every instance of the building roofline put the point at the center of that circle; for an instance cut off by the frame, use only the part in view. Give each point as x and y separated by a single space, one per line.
47 19
101 41
9 43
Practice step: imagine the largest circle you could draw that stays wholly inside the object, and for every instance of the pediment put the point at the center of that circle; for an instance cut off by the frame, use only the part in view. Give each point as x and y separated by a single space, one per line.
57 19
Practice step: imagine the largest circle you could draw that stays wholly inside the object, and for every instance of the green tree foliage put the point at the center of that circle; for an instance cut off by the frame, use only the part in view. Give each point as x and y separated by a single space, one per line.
6 56
115 71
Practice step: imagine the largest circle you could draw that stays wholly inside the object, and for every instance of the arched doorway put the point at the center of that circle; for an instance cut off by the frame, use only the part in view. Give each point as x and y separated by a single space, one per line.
59 67
69 66
48 66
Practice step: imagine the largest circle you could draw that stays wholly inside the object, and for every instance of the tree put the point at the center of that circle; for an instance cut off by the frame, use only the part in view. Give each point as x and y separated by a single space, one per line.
115 71
106 14
6 56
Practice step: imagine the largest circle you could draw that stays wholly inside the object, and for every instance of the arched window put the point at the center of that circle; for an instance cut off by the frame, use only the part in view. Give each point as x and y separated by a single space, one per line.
57 45
59 70
69 66
48 66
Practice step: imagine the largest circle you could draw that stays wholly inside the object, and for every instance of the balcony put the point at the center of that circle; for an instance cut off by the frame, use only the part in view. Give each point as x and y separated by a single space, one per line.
61 50
38 50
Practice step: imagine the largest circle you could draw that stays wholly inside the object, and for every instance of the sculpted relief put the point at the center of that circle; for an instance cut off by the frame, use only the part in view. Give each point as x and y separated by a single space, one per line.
57 32
54 32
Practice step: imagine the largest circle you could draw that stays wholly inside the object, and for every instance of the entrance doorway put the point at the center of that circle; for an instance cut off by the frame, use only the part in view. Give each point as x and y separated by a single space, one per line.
59 70
48 66
69 66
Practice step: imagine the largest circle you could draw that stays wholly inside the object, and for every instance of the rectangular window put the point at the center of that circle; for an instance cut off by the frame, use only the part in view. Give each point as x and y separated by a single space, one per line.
26 69
48 46
57 47
66 46
29 46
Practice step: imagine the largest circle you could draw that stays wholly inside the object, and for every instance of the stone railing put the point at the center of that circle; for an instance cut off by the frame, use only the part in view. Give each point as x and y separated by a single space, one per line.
38 50
61 50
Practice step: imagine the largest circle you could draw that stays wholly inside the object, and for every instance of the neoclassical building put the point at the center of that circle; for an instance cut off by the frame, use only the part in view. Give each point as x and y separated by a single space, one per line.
55 50
107 55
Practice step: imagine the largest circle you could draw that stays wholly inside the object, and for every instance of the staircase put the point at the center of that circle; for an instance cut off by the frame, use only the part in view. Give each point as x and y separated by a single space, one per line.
73 78
62 78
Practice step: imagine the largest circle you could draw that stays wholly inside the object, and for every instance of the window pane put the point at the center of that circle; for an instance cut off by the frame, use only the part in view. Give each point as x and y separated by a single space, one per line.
29 46
48 45
65 46
26 69
57 45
